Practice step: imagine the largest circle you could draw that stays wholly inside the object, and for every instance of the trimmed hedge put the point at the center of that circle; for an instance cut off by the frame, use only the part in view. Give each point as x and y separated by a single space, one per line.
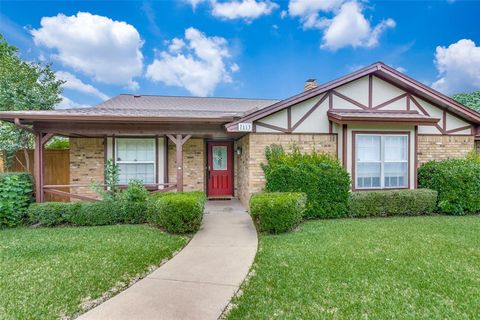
393 203
51 214
457 182
277 212
133 203
16 193
321 177
177 212
97 213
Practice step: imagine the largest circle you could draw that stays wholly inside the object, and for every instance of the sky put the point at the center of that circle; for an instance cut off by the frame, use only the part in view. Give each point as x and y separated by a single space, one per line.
241 48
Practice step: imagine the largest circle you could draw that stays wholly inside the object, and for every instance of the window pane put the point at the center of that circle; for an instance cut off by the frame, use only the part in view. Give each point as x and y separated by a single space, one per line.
135 149
395 174
395 148
219 154
141 171
368 148
368 175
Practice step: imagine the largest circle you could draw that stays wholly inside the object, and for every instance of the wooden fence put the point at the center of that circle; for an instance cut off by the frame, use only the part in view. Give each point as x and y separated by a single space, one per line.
57 169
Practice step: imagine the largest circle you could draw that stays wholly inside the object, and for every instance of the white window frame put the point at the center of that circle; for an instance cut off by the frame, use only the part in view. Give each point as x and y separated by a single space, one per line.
154 162
382 160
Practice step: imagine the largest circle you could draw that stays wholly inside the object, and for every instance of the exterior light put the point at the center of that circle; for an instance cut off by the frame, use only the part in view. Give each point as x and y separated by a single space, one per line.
239 151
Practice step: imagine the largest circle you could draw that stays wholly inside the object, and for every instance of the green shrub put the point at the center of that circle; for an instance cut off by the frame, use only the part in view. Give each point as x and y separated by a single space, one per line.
134 203
277 212
52 213
321 177
97 213
177 212
393 203
16 193
457 182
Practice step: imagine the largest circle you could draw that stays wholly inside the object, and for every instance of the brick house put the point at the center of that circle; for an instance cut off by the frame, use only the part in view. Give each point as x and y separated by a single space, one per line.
379 123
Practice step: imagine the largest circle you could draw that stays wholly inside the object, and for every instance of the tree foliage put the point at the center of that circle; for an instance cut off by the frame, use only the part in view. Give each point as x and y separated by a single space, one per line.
23 86
471 100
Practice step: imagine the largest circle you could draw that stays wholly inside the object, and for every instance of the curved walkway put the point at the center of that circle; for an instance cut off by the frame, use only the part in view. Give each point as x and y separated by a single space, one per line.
200 280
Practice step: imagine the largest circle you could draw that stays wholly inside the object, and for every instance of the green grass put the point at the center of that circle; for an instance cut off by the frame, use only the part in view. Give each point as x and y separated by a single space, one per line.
48 273
384 268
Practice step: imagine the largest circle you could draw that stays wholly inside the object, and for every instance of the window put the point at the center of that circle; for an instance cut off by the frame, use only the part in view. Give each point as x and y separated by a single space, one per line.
219 157
381 161
136 159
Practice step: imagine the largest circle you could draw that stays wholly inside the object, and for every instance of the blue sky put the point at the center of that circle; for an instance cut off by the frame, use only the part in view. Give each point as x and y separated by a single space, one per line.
241 48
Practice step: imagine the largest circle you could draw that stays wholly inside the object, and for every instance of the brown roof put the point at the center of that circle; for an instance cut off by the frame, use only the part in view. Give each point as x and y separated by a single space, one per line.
128 107
411 117
378 69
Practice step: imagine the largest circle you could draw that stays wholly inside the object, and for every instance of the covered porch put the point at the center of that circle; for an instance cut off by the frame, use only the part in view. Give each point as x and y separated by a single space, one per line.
164 145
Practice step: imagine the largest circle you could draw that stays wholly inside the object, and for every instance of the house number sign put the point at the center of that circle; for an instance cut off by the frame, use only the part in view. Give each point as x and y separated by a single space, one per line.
245 127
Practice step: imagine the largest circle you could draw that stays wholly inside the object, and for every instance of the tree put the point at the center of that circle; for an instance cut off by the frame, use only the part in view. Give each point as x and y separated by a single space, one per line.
23 86
471 100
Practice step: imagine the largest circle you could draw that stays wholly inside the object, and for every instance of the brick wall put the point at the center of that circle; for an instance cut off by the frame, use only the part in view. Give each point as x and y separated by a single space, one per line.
477 146
438 147
241 169
193 164
86 163
252 179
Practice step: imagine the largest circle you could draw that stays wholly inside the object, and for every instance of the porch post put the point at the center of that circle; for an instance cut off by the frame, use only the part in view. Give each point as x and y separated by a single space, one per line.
179 142
38 167
179 152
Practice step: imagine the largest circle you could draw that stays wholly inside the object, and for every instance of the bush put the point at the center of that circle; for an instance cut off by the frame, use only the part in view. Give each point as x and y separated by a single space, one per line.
134 203
321 177
16 193
177 212
393 203
457 182
277 212
51 214
96 213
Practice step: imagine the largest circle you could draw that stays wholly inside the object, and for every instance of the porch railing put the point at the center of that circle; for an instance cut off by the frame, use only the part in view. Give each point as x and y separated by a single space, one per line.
53 189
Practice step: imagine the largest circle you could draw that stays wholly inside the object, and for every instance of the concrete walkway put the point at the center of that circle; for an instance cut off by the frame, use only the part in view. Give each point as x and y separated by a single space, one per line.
199 281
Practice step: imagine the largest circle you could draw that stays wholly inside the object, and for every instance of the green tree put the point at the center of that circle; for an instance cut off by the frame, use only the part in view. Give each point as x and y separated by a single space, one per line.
23 86
471 100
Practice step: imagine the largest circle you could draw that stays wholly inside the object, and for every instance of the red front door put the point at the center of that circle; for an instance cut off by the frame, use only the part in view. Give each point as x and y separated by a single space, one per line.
219 168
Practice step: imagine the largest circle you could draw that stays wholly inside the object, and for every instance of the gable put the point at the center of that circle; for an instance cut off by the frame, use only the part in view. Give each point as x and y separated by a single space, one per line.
376 88
366 94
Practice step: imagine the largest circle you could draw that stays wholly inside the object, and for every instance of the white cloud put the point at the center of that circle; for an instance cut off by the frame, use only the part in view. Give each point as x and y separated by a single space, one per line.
308 10
176 45
107 50
244 9
72 82
247 10
350 28
67 103
194 3
401 69
458 67
342 22
199 67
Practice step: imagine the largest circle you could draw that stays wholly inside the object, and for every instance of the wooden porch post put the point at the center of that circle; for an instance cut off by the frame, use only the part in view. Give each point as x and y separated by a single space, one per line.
179 142
38 167
40 140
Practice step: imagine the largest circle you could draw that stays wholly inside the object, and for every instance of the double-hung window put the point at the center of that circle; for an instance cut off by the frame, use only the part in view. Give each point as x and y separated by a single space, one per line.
381 161
135 159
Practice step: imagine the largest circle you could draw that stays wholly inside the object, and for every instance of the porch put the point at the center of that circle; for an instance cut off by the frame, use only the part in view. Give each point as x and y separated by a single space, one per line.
166 156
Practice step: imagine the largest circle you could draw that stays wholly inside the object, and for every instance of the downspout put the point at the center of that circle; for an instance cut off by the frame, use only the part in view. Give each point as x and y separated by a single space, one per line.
22 126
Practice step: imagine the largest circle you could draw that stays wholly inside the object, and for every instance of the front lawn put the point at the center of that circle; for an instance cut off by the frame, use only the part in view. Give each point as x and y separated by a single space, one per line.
383 268
48 273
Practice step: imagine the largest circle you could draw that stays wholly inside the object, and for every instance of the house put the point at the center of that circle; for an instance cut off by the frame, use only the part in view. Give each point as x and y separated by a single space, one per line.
380 123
